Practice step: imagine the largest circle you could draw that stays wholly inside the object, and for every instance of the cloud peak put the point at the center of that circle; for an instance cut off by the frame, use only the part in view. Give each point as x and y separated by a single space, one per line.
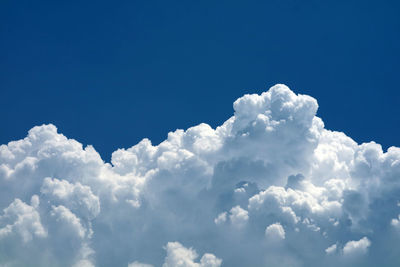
270 186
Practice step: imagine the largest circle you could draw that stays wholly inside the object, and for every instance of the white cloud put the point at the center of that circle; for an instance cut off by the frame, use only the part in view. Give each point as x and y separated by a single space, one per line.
179 256
331 250
275 232
221 218
72 223
139 264
24 221
76 196
396 222
238 216
220 190
357 247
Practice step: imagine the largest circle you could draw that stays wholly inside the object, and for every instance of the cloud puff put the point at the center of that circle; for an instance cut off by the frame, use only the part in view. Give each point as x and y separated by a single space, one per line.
275 232
356 247
179 256
331 249
269 187
238 216
23 220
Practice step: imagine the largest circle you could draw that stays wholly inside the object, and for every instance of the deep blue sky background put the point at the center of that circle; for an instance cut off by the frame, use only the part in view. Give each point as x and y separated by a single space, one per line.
110 73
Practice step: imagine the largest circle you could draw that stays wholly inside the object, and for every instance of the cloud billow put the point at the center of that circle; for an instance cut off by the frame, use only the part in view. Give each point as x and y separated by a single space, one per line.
269 187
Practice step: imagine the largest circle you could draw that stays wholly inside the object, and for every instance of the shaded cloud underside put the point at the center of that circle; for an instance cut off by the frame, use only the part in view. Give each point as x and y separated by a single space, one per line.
269 187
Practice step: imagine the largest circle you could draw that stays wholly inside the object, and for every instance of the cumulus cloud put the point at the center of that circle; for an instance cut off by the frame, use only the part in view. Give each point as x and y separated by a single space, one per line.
269 187
179 256
331 249
238 216
23 220
275 232
357 247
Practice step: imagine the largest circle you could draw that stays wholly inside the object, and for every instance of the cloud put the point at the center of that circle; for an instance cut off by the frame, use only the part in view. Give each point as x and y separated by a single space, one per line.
238 216
331 249
24 221
179 256
396 222
357 247
139 264
269 173
275 232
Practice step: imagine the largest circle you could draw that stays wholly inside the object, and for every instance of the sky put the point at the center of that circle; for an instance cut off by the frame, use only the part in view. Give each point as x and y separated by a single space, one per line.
199 134
110 74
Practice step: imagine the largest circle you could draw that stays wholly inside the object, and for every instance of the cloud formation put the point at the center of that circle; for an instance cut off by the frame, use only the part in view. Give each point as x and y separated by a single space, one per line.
269 187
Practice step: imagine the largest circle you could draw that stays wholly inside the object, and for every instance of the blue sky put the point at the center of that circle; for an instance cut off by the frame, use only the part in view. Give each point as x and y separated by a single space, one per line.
110 74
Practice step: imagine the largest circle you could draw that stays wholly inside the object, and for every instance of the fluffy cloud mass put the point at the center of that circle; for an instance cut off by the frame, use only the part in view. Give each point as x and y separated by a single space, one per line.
269 187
